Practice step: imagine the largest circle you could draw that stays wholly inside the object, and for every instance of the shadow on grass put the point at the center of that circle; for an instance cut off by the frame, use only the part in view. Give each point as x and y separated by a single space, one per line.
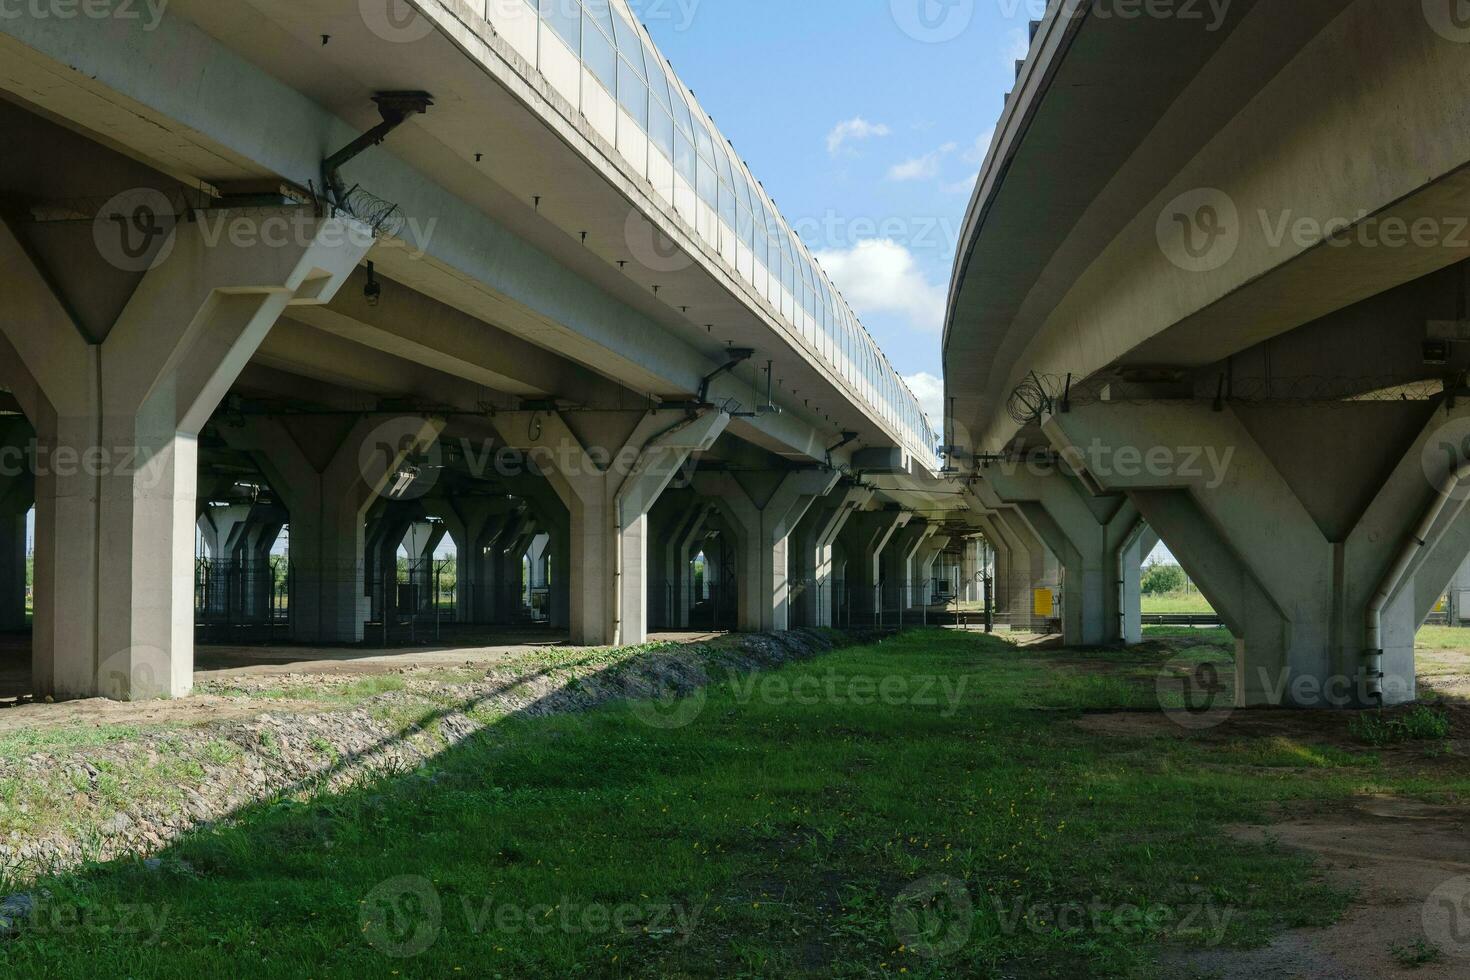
771 824
315 881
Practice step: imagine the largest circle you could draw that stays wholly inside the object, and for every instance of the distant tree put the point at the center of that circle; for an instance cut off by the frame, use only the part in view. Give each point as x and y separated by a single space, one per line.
1164 580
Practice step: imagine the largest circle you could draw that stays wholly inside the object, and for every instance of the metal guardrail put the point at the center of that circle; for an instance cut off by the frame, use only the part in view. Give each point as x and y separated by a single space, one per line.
1193 620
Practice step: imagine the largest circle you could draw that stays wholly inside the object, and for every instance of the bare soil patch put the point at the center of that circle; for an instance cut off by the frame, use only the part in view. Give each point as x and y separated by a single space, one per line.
1393 854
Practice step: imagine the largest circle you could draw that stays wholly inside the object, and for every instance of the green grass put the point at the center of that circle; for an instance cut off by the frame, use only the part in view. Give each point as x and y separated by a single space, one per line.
1421 724
23 742
1443 638
1413 955
1179 602
798 825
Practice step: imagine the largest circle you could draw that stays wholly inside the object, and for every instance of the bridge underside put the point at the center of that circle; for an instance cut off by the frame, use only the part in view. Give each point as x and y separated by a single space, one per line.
1227 332
232 426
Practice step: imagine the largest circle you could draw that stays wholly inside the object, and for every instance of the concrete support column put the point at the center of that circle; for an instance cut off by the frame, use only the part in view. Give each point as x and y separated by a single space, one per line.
672 592
469 521
683 549
490 567
970 571
814 543
924 563
864 539
554 519
327 472
1003 595
221 528
508 568
1082 529
115 533
898 569
253 553
1290 527
421 541
762 509
609 469
1027 566
1131 554
16 497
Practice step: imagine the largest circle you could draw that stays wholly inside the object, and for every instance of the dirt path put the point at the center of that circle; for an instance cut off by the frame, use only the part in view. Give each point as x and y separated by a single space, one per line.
254 668
1402 859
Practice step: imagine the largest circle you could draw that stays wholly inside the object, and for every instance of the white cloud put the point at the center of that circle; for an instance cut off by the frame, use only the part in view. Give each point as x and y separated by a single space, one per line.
929 390
881 276
852 131
977 151
925 167
964 185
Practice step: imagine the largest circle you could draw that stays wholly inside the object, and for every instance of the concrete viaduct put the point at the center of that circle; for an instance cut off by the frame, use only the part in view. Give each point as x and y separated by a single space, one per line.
378 275
1213 287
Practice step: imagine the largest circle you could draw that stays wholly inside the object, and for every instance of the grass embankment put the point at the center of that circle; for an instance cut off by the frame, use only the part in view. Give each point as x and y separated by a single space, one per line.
927 807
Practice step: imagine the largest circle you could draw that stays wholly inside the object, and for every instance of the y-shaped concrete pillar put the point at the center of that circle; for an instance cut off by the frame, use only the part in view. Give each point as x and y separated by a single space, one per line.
469 520
328 472
683 549
762 510
117 419
671 588
609 469
1283 515
421 541
864 538
253 554
1027 566
1083 530
899 578
923 564
815 542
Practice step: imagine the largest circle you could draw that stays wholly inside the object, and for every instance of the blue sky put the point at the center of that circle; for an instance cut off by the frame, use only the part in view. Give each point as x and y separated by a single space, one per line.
867 121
